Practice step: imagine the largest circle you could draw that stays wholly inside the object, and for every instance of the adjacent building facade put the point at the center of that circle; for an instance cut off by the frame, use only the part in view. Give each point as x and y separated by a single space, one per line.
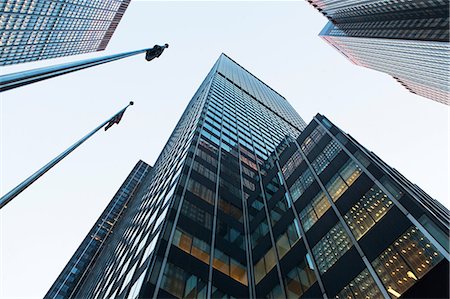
408 40
247 201
85 256
41 29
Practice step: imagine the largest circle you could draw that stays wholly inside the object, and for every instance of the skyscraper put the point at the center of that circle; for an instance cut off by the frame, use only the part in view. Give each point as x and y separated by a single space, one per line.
36 30
246 201
84 258
408 40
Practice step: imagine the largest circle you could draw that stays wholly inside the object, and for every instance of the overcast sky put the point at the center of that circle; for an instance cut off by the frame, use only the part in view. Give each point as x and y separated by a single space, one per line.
276 41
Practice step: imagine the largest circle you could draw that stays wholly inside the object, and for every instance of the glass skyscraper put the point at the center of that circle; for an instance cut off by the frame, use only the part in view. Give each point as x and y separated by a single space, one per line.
247 201
33 30
408 40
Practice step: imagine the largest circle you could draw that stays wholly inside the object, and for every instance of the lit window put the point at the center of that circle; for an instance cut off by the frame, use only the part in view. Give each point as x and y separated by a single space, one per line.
299 279
408 259
363 286
331 247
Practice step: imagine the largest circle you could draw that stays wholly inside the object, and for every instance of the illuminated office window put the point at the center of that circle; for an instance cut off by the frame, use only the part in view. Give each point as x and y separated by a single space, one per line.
331 247
408 259
363 286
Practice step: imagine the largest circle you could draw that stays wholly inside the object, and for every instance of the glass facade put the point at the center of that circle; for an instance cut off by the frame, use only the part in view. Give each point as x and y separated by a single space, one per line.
247 201
79 265
406 39
41 29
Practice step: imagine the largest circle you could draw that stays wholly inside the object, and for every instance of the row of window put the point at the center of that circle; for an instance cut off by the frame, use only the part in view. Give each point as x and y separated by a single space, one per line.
310 142
300 278
291 164
201 250
407 260
314 210
301 184
367 211
331 247
325 157
345 177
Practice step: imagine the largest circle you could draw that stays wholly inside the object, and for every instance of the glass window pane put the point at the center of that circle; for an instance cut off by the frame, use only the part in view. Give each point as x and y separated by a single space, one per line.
336 187
283 245
238 271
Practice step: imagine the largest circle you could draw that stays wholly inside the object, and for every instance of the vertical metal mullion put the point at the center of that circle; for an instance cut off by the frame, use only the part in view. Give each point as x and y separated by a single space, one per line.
246 222
216 200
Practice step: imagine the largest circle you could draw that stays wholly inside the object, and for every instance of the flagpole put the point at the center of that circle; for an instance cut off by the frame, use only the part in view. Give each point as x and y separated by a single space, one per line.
14 80
30 180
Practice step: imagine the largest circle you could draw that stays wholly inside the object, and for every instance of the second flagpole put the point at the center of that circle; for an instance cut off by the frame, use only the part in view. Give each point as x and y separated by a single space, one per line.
31 179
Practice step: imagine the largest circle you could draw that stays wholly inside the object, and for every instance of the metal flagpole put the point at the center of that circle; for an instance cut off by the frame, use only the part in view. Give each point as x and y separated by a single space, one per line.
30 180
18 79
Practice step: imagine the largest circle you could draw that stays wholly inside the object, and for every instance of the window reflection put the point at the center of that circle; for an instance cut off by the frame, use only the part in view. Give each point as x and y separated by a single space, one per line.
182 284
292 164
323 159
301 184
192 245
299 279
313 211
344 179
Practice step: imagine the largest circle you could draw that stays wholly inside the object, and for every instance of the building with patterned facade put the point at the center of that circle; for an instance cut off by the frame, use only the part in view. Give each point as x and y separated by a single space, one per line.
97 240
247 201
408 40
41 29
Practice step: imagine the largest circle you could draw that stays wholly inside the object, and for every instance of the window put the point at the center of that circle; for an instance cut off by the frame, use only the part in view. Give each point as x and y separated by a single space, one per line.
196 214
301 184
313 211
182 284
230 209
201 191
265 264
292 164
343 179
238 271
299 279
192 245
336 187
363 286
323 159
288 239
276 293
367 211
320 163
310 141
221 262
279 210
331 247
229 266
408 259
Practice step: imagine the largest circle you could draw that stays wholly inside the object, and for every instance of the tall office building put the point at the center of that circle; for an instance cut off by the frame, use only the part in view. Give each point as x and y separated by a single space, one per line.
408 40
33 30
97 240
246 201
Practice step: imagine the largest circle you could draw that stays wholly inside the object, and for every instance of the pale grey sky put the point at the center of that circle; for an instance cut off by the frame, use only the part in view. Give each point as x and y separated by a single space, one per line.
276 41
